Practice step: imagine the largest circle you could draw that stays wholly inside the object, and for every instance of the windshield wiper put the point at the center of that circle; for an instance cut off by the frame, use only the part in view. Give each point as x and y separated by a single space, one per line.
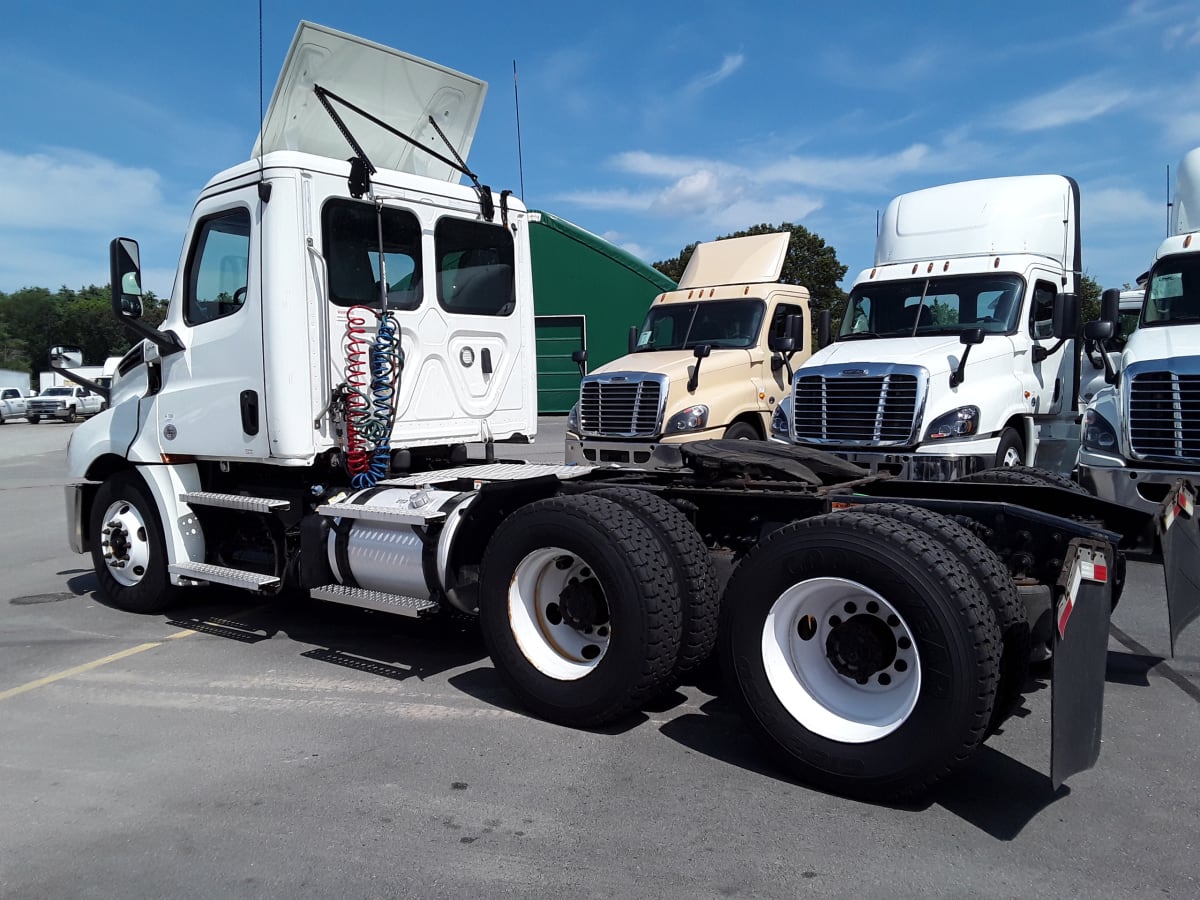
855 335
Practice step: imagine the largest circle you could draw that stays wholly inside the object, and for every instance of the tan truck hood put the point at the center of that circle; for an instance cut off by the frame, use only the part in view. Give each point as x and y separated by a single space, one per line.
677 364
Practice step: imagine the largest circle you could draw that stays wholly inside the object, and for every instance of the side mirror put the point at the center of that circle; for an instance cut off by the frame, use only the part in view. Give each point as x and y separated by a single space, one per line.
702 351
782 344
1101 330
579 357
824 328
793 327
125 269
633 336
971 336
1066 316
1110 305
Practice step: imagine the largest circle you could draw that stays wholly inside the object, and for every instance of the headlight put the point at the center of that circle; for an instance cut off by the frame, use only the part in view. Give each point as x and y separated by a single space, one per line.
691 419
62 404
573 419
779 423
1098 433
961 422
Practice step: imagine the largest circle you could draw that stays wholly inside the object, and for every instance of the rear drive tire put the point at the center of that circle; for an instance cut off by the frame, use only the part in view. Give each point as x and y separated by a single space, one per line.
996 584
579 609
862 652
128 551
1026 475
695 577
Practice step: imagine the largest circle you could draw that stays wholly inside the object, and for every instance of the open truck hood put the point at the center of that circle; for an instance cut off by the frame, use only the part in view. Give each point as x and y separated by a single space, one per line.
399 89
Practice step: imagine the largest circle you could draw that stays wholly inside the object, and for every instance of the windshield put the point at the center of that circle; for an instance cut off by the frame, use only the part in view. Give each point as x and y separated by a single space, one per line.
720 323
58 392
1174 291
933 306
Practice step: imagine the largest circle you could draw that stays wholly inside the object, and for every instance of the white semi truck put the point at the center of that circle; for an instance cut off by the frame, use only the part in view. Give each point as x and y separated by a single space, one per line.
1142 431
340 332
956 352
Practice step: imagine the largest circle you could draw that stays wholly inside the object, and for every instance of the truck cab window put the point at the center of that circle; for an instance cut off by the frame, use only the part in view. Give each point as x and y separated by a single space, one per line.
1174 294
1041 313
779 320
352 254
218 269
475 267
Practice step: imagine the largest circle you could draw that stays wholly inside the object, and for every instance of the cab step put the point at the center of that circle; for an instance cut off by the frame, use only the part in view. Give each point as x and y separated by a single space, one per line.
363 598
234 501
250 581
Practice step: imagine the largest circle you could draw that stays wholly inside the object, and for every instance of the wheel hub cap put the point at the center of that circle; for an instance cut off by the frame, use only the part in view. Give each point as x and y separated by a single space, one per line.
861 647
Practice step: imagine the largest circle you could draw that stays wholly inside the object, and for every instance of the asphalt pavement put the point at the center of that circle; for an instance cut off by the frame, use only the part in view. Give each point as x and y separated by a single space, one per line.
241 748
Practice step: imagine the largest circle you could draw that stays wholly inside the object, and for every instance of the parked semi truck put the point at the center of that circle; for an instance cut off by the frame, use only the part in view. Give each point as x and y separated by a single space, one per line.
1142 431
956 351
340 332
711 360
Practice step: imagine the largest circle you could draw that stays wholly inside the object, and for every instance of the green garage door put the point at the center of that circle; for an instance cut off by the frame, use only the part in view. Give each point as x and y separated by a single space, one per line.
558 377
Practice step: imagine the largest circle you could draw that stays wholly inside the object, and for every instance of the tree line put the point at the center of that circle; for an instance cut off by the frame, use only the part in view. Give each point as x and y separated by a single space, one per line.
34 319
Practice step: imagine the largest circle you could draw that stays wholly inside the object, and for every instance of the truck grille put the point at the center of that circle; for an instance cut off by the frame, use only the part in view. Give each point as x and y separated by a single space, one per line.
858 407
1164 416
43 406
622 404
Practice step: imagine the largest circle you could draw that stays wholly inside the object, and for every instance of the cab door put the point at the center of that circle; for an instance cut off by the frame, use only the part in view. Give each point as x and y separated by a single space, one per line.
212 398
1049 381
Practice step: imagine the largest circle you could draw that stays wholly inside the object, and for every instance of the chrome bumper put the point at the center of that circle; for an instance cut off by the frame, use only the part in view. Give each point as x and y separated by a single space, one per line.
631 454
919 466
1140 489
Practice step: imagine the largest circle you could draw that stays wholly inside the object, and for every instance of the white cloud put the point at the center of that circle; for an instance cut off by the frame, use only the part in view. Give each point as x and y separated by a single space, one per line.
1077 101
79 192
1118 206
730 64
848 173
59 208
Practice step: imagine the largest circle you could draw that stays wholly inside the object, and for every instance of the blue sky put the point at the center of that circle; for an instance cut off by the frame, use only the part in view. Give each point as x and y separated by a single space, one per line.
652 123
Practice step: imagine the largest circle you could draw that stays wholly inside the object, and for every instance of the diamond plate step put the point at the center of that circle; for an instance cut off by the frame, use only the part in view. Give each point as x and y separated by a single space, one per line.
382 513
234 501
251 581
378 600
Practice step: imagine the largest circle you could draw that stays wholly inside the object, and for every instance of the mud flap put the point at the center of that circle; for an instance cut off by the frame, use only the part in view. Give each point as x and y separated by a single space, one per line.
1179 534
1081 616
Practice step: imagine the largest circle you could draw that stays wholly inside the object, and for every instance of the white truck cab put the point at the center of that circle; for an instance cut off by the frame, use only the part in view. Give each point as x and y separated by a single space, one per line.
266 352
956 351
1142 430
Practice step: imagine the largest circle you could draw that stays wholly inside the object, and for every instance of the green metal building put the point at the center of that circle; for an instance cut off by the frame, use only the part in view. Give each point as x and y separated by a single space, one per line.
587 292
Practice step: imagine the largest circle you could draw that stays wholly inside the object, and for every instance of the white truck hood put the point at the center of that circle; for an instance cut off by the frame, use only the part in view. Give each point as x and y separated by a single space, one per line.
397 88
934 352
1165 342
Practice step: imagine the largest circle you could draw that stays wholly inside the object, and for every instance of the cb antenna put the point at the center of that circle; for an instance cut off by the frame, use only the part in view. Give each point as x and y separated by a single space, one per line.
517 106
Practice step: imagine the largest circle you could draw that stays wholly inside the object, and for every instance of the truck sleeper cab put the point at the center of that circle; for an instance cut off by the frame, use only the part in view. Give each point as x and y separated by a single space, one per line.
1142 431
956 350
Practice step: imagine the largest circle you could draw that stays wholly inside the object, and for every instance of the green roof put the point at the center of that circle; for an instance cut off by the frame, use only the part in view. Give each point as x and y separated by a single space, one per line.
597 244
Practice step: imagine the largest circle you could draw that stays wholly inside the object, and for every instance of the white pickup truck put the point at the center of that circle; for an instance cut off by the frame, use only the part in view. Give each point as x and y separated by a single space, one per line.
12 404
67 403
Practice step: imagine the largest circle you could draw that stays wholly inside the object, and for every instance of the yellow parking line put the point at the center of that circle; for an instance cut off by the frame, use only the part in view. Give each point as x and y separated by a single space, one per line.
86 667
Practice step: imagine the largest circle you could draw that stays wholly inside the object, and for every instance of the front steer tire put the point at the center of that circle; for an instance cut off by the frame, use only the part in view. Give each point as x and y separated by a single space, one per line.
125 529
579 610
795 599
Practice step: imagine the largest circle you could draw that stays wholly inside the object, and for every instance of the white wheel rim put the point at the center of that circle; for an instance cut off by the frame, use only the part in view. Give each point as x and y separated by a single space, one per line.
124 543
802 671
560 641
1011 457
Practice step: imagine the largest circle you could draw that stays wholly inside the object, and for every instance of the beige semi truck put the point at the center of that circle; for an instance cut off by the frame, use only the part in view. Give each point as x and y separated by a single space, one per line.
712 359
